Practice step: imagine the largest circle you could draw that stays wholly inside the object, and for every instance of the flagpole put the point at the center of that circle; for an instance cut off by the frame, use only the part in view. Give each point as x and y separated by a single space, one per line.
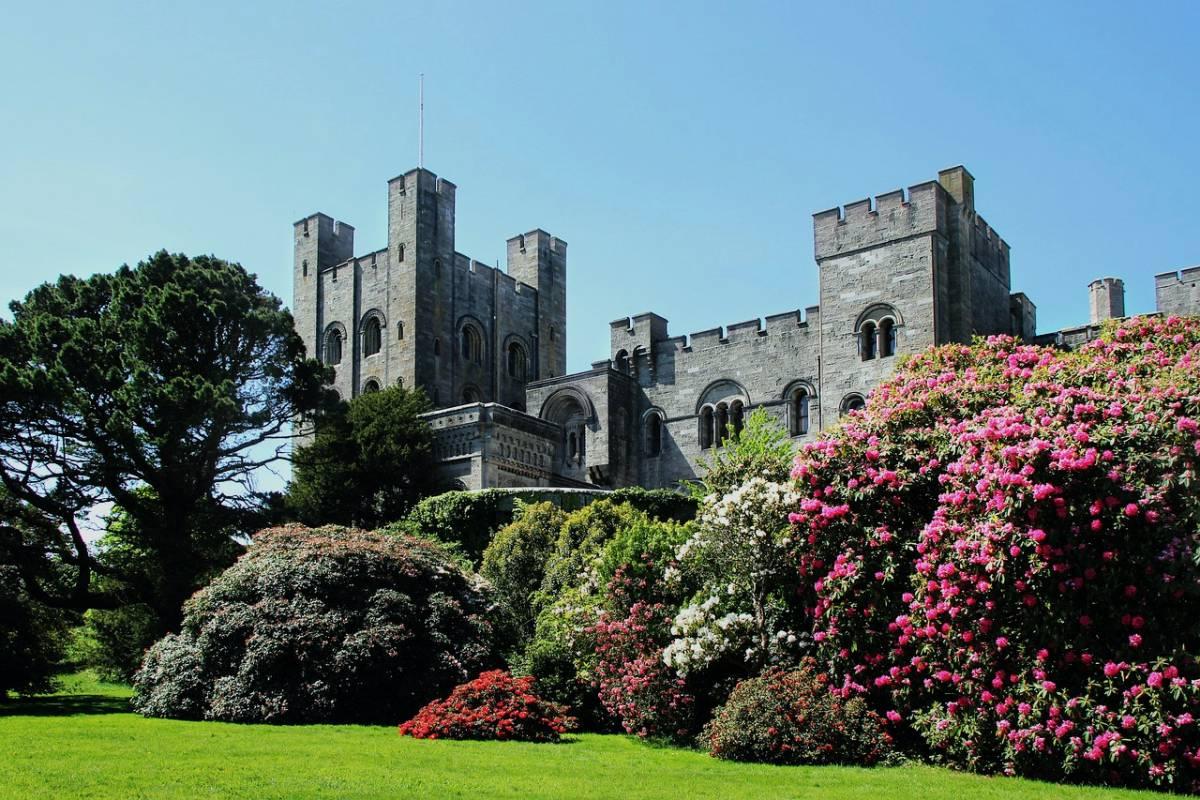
421 123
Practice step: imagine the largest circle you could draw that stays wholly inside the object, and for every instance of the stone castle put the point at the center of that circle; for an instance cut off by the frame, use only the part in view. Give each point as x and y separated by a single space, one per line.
898 273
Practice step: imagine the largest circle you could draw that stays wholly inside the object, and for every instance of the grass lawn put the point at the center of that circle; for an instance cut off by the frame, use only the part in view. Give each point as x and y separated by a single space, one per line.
83 742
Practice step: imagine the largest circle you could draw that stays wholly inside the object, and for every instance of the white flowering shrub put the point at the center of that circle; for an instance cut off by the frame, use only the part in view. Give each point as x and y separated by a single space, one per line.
742 558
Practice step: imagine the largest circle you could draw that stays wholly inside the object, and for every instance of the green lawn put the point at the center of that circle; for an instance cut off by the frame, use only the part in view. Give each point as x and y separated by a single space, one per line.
84 743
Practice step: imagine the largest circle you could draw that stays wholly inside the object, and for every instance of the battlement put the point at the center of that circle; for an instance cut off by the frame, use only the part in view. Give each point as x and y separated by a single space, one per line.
1178 292
876 220
1175 277
749 330
421 178
533 240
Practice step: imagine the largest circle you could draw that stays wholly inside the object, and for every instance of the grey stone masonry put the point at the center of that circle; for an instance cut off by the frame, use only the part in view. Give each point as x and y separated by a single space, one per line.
898 273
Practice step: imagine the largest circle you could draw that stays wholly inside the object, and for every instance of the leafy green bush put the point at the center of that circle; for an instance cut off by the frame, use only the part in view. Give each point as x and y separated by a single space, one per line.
794 718
515 562
321 625
113 642
32 638
661 504
467 519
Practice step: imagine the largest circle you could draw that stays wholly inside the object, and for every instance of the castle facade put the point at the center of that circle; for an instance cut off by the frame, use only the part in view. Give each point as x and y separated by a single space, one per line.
898 273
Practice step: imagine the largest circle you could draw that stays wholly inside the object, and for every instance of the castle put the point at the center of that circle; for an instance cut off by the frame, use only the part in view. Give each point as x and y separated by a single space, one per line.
898 273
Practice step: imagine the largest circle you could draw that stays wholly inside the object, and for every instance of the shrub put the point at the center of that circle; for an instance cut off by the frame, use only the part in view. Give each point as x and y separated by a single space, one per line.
661 504
515 562
793 718
465 518
32 639
113 642
493 706
321 625
1000 551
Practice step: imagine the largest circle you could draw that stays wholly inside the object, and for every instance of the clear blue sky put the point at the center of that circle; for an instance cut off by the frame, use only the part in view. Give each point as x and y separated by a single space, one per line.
680 148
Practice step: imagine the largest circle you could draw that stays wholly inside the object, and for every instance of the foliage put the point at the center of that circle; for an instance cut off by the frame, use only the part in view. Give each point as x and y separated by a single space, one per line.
368 463
321 625
80 745
466 518
793 718
32 638
179 374
515 563
660 504
493 706
743 559
761 449
114 642
1002 548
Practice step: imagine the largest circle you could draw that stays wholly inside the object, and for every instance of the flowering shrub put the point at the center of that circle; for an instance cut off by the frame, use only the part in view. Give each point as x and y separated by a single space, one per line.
493 706
635 685
320 625
793 718
1001 549
743 558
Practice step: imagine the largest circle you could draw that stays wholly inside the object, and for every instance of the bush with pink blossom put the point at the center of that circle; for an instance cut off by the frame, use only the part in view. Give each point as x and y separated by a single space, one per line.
1002 554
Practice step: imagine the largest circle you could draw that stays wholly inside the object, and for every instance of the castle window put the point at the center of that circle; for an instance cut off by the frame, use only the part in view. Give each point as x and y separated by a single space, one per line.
721 424
852 402
437 269
706 428
470 395
876 329
622 361
866 341
887 337
437 347
400 329
652 434
516 361
400 253
472 344
372 337
333 346
371 386
798 403
572 446
305 266
737 417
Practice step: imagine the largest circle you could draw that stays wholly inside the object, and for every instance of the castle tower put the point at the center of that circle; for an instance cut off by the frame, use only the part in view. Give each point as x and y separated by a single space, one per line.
540 260
321 243
421 246
1106 299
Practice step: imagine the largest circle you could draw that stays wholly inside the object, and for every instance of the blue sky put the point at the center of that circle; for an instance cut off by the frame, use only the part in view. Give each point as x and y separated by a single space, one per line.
680 148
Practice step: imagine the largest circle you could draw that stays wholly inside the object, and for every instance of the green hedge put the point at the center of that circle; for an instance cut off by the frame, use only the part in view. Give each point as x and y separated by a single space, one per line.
469 519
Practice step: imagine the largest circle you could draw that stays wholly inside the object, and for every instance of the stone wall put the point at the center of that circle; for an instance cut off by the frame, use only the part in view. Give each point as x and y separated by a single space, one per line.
1178 292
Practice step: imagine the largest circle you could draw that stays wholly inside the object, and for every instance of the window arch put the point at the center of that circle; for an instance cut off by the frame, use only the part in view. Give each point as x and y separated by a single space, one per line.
437 347
471 394
517 361
852 402
799 401
652 433
887 337
622 361
876 330
706 427
372 334
866 341
335 336
472 343
370 386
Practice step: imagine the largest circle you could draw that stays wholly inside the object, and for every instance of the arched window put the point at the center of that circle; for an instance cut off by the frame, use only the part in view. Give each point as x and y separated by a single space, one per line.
372 337
333 346
652 434
737 417
798 403
706 427
887 337
437 347
853 402
370 386
866 341
470 394
472 344
877 330
721 424
572 446
400 254
622 361
516 361
400 329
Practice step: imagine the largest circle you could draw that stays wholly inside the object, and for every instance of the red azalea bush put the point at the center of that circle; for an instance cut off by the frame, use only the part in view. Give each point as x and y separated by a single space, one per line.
493 706
793 718
1002 554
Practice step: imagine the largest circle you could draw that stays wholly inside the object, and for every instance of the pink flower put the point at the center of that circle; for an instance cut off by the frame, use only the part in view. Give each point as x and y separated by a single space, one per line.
1135 640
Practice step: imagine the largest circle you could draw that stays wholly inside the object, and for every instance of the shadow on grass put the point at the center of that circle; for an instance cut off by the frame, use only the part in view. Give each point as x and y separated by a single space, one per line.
64 705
